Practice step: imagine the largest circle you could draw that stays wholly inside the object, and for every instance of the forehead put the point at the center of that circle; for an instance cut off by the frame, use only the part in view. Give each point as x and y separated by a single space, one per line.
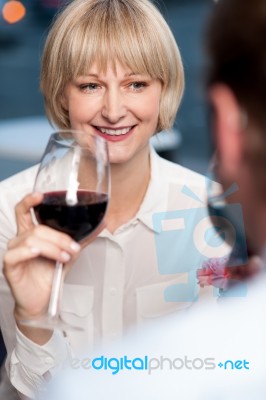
112 64
113 69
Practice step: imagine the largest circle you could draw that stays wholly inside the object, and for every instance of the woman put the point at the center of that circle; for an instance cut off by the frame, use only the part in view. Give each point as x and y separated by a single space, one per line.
111 67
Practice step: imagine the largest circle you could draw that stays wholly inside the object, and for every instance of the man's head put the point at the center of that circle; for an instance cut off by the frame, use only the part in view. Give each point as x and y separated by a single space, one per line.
236 38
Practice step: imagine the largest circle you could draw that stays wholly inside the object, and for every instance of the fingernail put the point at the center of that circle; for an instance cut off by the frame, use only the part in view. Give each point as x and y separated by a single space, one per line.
75 246
35 250
65 256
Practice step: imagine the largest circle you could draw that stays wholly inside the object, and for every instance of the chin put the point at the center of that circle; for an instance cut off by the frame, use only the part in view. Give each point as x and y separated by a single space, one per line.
118 160
124 155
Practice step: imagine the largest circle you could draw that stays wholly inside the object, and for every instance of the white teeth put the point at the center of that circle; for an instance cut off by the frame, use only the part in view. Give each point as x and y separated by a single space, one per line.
115 132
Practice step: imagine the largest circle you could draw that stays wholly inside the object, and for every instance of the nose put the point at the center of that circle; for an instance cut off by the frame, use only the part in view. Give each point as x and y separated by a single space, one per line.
114 107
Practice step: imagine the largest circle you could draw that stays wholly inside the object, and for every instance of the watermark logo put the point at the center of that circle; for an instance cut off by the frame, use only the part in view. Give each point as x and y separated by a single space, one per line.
230 364
185 239
113 364
150 364
180 363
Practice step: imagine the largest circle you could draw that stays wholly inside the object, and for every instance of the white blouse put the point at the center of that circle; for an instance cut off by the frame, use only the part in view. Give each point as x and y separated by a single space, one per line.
145 270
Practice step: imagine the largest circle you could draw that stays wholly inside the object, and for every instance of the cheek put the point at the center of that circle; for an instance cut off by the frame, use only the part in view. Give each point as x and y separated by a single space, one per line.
154 105
149 109
152 112
81 110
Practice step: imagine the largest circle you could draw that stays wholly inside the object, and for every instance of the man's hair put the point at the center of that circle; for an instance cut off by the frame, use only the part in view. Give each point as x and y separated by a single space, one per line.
132 32
236 47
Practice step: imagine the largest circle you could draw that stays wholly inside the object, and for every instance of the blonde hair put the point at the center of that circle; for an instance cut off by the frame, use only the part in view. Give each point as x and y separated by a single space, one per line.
132 32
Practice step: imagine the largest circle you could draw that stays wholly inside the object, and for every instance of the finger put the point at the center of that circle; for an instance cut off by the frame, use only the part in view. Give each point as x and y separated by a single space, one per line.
22 211
34 248
256 264
47 235
201 271
203 281
57 238
204 271
19 255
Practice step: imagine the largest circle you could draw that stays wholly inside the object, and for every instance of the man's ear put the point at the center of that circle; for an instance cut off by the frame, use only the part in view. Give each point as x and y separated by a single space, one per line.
227 128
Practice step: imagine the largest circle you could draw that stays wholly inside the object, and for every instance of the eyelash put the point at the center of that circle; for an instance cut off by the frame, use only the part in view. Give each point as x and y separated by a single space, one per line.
141 84
91 87
87 87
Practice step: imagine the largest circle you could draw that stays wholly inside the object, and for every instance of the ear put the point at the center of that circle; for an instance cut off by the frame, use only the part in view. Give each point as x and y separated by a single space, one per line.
227 128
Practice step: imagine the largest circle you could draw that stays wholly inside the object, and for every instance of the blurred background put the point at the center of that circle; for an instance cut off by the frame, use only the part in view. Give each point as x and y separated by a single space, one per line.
23 127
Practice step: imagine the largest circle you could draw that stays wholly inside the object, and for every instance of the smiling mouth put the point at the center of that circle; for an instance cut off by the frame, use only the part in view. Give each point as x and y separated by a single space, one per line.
115 132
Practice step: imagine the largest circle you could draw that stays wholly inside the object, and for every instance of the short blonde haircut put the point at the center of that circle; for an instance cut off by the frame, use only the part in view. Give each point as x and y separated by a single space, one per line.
132 32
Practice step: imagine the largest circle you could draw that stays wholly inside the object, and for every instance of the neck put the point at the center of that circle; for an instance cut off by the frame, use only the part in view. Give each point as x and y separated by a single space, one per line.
129 184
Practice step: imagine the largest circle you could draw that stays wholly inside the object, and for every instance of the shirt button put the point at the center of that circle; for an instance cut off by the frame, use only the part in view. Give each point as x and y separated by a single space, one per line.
49 360
113 291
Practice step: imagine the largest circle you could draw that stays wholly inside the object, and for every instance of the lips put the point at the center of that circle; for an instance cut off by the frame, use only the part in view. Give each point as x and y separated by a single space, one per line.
115 134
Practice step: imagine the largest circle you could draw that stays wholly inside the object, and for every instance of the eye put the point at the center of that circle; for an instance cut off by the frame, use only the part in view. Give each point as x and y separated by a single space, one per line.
136 86
89 87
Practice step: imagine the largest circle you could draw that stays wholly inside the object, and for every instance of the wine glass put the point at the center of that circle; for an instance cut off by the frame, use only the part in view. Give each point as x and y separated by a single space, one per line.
74 178
226 214
227 218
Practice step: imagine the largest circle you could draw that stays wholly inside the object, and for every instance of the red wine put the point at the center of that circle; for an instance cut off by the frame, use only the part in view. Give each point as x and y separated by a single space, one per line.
77 220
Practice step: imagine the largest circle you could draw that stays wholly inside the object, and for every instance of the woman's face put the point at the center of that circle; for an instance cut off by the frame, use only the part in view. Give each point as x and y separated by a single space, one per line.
118 105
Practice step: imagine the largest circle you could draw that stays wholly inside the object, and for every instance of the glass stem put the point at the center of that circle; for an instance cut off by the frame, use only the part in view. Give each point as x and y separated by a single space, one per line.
53 309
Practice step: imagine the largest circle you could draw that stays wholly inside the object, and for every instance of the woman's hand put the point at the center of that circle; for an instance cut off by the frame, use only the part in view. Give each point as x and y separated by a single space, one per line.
30 260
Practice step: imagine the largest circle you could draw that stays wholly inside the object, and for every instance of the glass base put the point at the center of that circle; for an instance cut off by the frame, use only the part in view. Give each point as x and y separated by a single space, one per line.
50 323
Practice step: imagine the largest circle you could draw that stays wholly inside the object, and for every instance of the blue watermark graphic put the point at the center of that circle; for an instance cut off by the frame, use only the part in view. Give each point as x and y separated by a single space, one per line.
186 239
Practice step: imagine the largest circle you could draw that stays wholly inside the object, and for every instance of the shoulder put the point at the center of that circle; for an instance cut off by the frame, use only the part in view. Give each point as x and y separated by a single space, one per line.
12 190
184 185
20 183
177 173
